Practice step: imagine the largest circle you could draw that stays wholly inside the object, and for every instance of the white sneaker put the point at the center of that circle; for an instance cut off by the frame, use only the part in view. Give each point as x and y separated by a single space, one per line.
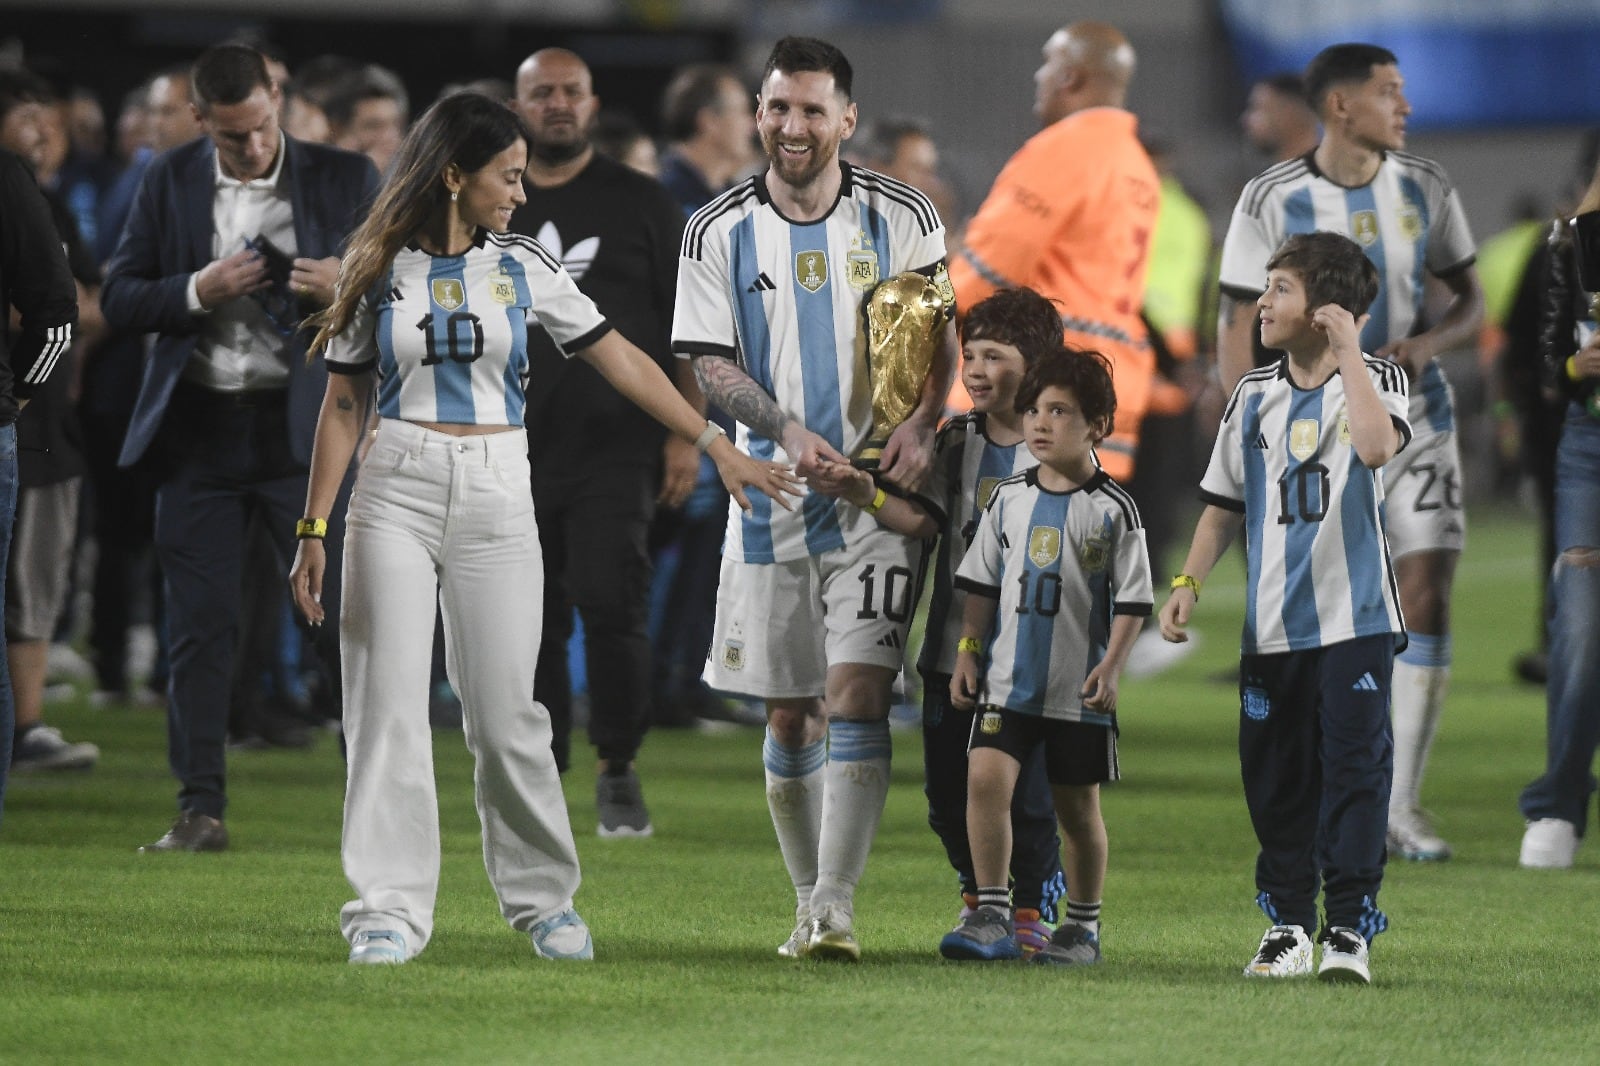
1285 951
1344 957
1411 836
833 934
564 937
378 947
795 946
44 748
1548 844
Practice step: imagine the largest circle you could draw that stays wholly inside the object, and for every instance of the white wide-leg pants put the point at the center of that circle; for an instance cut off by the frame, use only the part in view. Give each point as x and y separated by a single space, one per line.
447 519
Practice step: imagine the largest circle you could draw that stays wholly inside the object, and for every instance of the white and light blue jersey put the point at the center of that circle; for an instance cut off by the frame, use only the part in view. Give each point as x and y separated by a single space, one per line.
448 334
1407 220
966 468
1318 563
1062 564
785 299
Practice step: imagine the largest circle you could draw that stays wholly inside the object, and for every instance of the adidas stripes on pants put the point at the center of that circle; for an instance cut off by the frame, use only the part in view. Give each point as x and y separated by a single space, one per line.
1317 754
436 517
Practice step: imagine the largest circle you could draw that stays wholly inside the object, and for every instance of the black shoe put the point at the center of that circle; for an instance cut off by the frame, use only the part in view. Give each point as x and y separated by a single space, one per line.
192 832
1532 667
274 731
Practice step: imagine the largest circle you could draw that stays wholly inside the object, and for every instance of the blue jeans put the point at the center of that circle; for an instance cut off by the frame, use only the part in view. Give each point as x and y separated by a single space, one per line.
8 514
1573 689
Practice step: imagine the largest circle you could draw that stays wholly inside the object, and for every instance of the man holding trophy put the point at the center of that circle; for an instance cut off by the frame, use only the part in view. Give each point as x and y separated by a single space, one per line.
814 605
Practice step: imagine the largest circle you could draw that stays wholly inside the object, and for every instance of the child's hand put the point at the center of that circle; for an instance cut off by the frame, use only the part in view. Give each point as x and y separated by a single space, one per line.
842 481
1100 689
964 682
1342 329
1175 615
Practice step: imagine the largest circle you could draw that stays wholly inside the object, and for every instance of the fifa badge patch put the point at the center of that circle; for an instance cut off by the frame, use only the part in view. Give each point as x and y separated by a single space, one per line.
811 270
1095 555
447 293
1364 228
861 265
733 655
1344 429
1256 704
1303 436
1044 545
989 724
502 290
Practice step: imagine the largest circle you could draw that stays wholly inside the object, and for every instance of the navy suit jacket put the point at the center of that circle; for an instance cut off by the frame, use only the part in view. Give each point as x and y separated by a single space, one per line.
168 237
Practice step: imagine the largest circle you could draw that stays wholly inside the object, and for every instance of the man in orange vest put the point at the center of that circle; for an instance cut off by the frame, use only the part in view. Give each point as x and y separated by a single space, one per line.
1071 216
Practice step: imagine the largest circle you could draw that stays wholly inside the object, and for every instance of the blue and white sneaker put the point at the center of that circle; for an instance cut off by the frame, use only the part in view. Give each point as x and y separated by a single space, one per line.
378 947
564 936
986 935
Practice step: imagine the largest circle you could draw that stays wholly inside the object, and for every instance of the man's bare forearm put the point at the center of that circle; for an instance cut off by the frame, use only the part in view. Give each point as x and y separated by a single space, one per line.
730 388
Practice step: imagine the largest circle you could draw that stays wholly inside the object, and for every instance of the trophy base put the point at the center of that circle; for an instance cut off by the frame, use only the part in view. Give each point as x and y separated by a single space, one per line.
869 458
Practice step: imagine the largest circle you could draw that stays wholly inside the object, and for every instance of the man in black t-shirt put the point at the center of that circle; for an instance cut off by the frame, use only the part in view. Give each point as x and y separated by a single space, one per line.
600 465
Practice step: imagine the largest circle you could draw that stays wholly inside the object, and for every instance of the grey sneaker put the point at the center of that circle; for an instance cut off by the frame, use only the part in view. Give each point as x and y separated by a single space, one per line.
44 748
620 802
985 935
799 940
1071 944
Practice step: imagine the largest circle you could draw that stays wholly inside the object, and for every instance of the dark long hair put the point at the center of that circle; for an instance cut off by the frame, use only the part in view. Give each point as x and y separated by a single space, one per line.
467 129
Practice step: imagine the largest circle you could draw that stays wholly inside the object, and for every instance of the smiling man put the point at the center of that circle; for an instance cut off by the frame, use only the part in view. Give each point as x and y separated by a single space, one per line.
813 605
1403 213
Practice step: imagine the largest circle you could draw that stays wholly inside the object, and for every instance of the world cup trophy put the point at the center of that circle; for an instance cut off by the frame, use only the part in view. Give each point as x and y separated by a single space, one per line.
904 316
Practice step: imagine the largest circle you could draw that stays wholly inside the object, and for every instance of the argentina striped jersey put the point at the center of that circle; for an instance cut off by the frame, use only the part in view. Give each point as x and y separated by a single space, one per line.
1407 220
448 334
1061 564
1317 561
785 299
966 468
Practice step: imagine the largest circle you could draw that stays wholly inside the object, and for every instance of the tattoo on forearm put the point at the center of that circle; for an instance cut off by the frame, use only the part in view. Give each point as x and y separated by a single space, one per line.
731 389
345 403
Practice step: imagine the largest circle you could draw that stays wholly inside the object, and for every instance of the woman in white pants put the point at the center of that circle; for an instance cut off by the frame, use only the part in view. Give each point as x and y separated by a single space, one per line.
431 317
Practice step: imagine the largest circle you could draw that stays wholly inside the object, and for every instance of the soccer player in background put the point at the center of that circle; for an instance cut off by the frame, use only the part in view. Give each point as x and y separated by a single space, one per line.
1071 215
1296 466
1403 212
813 606
1059 575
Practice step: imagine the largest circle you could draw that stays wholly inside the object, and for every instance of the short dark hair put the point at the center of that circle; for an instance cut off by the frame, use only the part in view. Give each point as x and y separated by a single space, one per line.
1333 269
1021 317
691 90
799 55
879 142
227 74
1086 373
1341 63
1285 83
370 82
18 87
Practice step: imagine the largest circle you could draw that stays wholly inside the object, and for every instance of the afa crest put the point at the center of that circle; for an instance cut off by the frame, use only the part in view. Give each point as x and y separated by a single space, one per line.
1044 545
986 491
1364 228
947 291
1411 222
1256 704
1095 555
502 290
447 293
989 724
861 265
811 270
1303 436
1344 429
733 655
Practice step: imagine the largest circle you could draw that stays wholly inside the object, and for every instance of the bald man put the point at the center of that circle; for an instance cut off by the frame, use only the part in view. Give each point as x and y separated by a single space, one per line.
1071 216
600 465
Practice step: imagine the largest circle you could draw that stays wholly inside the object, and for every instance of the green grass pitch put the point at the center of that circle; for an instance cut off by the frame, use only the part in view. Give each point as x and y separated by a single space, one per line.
111 956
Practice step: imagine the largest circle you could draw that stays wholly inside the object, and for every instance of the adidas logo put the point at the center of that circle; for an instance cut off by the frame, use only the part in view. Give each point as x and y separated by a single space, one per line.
761 284
1261 442
1364 683
578 259
891 639
393 296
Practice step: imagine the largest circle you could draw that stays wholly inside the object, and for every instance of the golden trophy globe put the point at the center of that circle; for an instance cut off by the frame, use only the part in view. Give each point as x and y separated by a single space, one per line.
905 315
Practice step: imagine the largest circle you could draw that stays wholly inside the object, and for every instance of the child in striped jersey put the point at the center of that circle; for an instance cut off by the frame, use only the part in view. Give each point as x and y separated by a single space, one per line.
1062 533
1297 463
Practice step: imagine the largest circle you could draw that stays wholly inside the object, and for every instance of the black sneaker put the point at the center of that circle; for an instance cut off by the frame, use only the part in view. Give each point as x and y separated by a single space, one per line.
620 803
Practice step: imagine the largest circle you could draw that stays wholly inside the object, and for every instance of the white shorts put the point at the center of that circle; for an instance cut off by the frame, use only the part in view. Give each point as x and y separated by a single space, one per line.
1422 496
781 625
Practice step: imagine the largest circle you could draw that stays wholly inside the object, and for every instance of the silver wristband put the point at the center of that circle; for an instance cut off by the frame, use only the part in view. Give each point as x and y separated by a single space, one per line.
707 435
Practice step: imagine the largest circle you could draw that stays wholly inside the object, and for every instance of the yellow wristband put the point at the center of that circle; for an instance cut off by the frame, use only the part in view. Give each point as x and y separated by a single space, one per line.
1572 368
972 644
1184 581
311 528
877 502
